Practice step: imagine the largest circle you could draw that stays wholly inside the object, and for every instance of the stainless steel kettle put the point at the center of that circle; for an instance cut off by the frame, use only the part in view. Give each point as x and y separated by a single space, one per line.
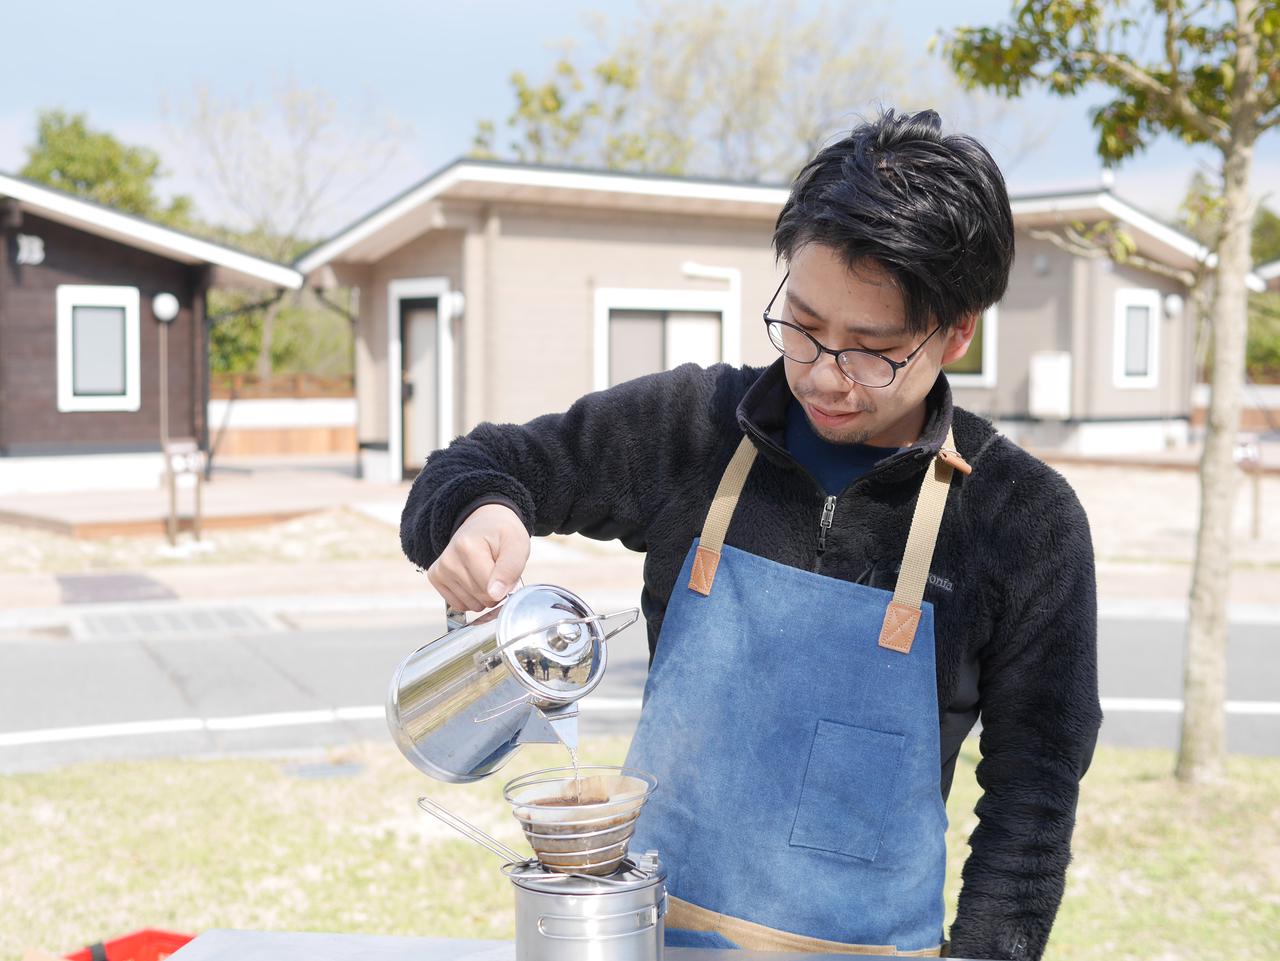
460 706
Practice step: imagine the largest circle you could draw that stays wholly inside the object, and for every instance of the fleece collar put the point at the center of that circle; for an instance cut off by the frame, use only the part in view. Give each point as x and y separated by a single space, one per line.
762 415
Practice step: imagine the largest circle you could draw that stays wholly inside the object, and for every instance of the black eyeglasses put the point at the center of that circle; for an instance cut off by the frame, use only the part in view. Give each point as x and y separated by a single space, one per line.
864 367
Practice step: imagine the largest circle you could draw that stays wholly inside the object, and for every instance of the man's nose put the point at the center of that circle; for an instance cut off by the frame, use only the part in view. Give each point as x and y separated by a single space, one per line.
828 377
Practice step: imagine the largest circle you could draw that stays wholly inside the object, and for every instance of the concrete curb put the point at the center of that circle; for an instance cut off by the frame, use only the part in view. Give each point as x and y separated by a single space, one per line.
422 603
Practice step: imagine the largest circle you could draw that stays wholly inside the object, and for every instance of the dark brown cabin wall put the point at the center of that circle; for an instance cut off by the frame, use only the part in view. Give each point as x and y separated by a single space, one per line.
32 420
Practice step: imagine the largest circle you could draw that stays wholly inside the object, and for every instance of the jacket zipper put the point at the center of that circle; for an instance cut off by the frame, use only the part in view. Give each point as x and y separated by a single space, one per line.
824 525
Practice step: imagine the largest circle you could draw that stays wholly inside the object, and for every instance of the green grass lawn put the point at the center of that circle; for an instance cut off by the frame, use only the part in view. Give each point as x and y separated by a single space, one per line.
94 851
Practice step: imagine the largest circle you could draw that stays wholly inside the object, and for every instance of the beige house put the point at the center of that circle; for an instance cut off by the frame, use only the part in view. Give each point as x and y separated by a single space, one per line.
499 291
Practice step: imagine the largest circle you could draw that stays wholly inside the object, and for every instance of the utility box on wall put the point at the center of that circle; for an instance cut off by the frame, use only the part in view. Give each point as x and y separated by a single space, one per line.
1049 384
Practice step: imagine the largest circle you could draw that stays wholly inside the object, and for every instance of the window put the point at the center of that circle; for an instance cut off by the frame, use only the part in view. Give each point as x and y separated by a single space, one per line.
1137 335
646 341
98 350
641 331
977 368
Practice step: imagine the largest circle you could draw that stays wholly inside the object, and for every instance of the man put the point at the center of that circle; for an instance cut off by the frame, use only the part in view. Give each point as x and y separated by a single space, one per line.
843 572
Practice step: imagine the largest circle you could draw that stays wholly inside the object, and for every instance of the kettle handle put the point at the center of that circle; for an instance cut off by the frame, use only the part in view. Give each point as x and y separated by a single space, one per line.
456 618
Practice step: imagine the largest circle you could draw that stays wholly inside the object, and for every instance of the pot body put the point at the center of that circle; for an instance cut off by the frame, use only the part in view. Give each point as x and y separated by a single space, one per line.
577 919
459 706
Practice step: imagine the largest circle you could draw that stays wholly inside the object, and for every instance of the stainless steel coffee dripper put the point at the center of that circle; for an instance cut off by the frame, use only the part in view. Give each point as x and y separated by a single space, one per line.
460 706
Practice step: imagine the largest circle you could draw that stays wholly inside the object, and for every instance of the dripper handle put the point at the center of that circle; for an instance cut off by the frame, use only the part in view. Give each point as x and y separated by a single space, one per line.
468 830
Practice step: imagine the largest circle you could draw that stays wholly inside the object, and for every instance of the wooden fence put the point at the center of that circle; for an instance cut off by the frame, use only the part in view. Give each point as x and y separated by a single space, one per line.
250 386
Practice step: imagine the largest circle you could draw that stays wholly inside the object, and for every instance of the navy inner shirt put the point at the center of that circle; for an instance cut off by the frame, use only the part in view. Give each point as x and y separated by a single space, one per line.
836 466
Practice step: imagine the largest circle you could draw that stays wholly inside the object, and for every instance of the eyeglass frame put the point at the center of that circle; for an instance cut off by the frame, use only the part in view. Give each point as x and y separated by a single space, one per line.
895 365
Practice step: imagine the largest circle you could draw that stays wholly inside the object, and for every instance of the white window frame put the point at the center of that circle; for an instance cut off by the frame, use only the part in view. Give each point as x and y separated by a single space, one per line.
990 337
608 299
67 298
1127 297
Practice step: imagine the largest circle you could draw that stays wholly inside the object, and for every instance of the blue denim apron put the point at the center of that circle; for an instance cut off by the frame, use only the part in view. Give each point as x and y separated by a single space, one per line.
791 719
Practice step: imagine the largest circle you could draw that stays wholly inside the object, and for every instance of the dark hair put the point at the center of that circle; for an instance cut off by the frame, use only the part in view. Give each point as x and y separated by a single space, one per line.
932 210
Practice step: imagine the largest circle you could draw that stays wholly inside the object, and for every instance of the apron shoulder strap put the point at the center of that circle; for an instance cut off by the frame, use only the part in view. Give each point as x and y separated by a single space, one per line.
903 615
707 557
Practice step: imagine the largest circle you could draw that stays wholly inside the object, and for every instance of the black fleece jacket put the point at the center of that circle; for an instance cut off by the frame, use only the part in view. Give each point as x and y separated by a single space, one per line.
1012 580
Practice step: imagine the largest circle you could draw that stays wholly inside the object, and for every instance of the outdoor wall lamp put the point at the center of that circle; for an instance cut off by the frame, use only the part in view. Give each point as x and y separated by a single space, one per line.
165 307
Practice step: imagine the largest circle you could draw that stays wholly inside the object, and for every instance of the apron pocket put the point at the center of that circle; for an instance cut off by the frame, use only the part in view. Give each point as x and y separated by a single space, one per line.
848 788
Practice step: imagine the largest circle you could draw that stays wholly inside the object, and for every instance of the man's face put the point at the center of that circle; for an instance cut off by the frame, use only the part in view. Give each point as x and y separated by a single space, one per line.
843 308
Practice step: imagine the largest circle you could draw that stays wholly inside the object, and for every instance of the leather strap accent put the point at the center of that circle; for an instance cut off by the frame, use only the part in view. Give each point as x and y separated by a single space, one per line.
718 517
898 632
757 937
899 629
703 576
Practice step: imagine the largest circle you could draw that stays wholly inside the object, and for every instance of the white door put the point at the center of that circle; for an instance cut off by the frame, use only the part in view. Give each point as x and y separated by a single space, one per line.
421 382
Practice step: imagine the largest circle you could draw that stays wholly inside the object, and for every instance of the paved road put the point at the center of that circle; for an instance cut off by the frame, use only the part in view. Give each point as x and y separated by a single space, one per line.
144 681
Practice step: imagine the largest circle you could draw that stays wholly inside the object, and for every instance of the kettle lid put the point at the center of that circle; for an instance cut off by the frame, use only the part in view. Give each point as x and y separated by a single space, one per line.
552 641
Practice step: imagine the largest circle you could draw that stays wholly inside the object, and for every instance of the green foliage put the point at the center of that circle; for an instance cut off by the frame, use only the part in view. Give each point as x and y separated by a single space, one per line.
1200 213
234 337
1201 216
1187 88
1262 354
312 339
93 164
309 337
1266 237
550 120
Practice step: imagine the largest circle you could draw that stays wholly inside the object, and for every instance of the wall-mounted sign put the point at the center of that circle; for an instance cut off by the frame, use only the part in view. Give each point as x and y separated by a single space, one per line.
30 250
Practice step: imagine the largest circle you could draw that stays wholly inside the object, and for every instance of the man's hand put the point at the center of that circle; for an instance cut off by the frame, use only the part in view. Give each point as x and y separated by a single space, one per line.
484 559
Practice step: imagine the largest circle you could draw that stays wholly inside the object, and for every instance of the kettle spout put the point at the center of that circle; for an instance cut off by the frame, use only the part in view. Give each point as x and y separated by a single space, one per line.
565 725
557 725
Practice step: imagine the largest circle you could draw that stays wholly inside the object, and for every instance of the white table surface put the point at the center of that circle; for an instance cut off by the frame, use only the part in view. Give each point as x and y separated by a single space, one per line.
224 945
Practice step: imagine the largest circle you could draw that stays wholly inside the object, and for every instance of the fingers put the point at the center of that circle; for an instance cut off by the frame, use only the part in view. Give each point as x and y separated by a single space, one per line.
509 564
484 559
443 581
459 573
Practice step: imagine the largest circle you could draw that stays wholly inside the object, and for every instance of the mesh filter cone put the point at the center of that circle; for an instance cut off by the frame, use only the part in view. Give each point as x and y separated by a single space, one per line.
583 824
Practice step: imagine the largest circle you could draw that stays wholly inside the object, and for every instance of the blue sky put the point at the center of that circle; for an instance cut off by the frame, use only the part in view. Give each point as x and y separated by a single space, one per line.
439 67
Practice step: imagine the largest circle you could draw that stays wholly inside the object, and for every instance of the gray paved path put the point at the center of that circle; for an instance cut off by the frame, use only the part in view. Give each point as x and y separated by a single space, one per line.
306 678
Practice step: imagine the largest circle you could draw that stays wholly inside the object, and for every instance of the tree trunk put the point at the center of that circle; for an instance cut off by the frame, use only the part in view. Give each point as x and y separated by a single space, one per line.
264 350
1203 742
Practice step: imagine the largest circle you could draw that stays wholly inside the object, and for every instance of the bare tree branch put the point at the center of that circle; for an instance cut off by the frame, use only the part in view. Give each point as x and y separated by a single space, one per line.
1072 241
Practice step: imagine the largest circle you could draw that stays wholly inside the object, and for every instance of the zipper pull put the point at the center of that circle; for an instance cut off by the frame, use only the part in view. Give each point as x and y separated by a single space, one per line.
953 460
824 525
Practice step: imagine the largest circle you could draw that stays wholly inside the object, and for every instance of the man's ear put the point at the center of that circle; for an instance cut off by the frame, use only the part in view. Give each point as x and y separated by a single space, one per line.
958 338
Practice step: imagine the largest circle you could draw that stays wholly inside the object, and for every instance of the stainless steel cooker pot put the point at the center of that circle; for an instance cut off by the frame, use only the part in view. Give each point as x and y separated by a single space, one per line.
576 918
